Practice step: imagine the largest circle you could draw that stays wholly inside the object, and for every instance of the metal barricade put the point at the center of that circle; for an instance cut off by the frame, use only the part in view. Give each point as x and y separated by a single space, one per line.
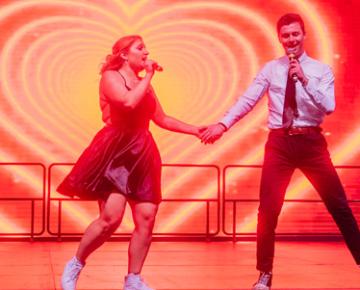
185 174
232 201
17 174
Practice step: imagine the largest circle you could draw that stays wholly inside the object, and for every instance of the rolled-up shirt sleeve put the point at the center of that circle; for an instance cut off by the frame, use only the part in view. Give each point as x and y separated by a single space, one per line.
246 102
321 91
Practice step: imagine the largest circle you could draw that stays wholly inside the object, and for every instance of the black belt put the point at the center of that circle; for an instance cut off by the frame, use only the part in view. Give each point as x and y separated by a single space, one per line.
297 130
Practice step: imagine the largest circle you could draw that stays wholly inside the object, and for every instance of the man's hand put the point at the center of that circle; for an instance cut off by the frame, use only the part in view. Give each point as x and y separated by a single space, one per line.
212 133
295 68
200 130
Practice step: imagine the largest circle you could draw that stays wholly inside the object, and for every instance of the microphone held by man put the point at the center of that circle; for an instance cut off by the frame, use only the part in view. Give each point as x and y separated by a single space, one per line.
294 76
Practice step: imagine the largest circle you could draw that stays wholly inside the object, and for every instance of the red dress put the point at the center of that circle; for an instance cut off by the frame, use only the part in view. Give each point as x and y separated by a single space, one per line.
122 157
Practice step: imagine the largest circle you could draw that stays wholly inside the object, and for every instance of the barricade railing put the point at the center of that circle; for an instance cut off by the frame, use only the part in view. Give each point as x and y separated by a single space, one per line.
212 206
234 202
20 173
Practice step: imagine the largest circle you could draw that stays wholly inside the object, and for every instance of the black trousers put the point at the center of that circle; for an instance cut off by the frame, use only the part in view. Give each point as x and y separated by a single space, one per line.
308 152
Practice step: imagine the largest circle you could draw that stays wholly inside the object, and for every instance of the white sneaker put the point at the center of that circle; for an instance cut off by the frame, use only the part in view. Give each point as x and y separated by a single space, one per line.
264 282
135 282
71 274
259 286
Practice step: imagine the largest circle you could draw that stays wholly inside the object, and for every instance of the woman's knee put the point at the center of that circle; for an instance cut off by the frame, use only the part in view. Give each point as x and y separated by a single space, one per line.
145 224
109 224
147 220
144 216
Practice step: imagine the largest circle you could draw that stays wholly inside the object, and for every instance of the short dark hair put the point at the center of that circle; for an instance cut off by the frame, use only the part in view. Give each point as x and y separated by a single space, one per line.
288 19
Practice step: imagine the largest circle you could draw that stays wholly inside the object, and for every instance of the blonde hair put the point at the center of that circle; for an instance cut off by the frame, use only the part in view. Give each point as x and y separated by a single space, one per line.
114 61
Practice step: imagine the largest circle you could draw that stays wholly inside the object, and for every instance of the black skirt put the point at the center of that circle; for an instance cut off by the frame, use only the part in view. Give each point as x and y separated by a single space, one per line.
116 161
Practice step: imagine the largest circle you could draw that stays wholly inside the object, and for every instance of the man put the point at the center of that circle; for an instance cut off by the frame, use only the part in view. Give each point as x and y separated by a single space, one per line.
301 93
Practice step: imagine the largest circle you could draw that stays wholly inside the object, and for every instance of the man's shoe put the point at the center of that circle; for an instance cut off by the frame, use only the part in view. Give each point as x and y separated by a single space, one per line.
71 274
135 282
264 281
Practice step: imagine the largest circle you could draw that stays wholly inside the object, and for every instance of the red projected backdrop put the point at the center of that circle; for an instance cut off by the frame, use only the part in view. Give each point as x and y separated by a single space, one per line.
51 53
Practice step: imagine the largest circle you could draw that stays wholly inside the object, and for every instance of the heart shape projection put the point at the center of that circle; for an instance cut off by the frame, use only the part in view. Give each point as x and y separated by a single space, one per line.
51 53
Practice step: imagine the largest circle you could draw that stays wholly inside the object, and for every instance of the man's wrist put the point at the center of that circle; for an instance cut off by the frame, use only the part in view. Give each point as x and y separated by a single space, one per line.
304 81
223 126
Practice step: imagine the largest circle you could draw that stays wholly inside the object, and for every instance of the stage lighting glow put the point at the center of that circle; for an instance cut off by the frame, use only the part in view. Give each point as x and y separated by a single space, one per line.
51 53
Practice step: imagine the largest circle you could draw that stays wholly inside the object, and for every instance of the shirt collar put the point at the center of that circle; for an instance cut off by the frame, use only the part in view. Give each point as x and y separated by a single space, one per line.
302 57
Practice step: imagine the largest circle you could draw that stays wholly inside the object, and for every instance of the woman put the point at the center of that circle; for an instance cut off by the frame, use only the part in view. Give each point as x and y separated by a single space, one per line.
122 163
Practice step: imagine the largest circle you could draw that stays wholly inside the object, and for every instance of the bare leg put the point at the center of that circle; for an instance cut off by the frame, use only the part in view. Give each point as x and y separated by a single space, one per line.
111 214
144 218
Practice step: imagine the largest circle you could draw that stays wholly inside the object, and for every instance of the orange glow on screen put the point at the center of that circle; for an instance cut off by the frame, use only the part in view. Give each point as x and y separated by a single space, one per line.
51 52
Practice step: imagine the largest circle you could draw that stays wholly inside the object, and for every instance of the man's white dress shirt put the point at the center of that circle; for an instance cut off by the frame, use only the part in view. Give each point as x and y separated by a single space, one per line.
314 100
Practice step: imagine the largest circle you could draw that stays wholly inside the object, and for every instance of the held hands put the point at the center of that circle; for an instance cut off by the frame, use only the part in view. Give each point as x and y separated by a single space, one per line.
199 130
212 133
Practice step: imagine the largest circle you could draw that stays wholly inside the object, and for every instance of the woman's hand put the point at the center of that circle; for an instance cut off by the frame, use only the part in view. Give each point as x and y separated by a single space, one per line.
200 130
150 66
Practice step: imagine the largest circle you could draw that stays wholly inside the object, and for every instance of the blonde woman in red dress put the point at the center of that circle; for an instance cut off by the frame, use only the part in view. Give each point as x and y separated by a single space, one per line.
122 164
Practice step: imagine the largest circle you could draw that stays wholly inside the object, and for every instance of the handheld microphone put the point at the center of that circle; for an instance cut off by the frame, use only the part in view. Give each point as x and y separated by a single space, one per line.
157 67
294 75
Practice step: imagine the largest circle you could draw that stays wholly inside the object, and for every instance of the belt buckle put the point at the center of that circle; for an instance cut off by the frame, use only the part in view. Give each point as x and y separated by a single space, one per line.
295 131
